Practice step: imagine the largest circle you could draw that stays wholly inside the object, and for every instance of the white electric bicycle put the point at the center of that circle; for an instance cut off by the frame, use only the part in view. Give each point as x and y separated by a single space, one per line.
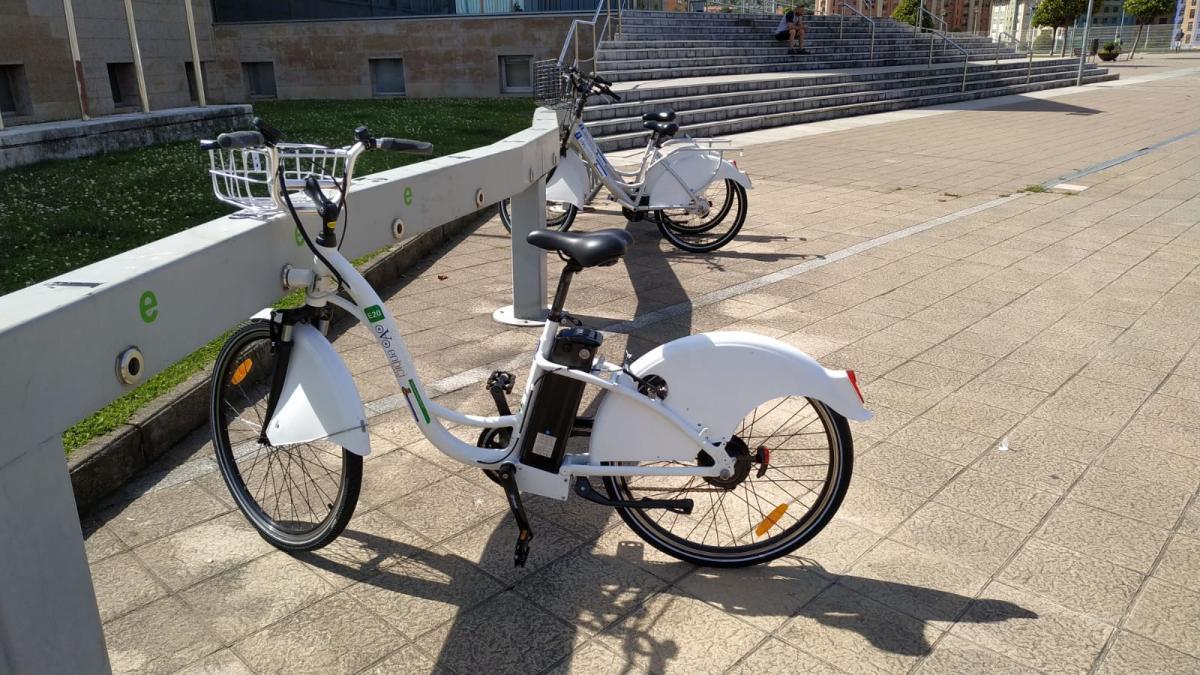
722 449
686 186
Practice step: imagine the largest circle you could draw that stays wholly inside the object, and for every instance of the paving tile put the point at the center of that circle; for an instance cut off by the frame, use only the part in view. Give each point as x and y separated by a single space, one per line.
243 600
224 662
955 656
1092 405
1123 374
1002 394
906 469
1013 505
334 635
419 594
941 440
929 376
1073 580
121 584
370 542
956 359
163 512
1175 438
503 635
899 395
1043 436
973 416
1158 503
963 538
1032 631
1151 464
877 507
161 637
409 660
620 543
594 659
1169 615
1180 564
1042 470
395 475
590 592
490 546
762 595
857 634
921 585
446 508
1104 535
1174 410
1132 653
203 550
837 546
776 656
1043 377
100 542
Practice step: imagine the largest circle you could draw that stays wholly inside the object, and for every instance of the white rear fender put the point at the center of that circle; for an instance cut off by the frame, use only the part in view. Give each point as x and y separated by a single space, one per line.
697 169
714 380
319 399
728 170
570 181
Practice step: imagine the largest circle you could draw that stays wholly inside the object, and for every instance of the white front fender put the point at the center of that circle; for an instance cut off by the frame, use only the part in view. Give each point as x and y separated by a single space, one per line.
714 380
570 181
319 399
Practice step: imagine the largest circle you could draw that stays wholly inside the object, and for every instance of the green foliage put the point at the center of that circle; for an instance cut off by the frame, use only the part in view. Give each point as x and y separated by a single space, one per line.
1148 10
1058 13
908 11
65 214
1110 47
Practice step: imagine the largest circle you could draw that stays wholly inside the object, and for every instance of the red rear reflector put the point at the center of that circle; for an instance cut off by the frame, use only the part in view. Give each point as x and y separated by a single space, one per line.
734 163
854 381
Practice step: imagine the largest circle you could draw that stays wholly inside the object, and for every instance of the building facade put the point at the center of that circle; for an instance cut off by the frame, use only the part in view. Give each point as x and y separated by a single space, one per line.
256 49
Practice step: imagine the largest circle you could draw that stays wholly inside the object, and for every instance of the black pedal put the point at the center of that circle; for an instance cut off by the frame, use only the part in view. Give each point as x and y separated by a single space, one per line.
507 477
500 383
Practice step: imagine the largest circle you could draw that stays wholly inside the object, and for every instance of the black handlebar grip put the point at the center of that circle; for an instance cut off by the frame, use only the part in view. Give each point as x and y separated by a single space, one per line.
241 139
270 133
209 145
405 145
601 80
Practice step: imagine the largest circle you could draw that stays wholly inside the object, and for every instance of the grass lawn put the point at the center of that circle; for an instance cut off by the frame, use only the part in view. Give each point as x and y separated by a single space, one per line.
61 215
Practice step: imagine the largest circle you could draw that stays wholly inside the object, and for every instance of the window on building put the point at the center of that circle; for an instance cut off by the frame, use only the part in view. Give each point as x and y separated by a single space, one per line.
190 73
122 82
260 79
387 77
516 74
13 96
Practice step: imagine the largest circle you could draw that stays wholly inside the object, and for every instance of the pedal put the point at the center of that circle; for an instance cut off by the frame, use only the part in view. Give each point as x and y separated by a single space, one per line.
500 383
507 476
583 488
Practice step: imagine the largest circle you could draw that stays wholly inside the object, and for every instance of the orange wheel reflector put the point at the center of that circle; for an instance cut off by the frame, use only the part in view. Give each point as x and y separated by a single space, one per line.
242 371
772 518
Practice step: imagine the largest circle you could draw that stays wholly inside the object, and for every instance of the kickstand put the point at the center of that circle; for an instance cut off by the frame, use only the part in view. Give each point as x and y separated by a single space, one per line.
508 479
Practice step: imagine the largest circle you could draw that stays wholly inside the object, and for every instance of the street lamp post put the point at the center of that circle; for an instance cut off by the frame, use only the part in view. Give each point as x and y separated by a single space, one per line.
1087 24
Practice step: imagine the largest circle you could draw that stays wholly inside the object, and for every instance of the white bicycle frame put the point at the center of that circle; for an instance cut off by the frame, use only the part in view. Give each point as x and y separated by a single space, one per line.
677 179
319 399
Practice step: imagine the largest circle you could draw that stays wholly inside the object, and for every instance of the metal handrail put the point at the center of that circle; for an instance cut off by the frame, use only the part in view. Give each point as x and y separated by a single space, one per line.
573 32
945 41
1027 47
842 21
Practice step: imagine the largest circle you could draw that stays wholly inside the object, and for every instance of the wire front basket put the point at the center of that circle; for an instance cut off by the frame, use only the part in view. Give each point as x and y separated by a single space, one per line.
248 178
551 88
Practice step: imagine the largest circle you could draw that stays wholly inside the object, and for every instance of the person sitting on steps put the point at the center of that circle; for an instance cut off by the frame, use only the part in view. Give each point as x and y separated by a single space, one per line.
791 28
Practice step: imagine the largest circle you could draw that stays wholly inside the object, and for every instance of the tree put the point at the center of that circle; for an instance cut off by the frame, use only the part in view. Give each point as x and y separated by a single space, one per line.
908 11
1058 14
1146 11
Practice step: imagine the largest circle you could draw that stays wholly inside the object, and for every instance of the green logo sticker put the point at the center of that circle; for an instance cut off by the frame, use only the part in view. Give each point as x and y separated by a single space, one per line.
299 238
148 307
374 313
408 196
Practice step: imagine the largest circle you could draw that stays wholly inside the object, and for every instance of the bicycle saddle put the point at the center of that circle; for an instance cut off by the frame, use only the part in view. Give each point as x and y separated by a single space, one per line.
664 115
588 249
665 129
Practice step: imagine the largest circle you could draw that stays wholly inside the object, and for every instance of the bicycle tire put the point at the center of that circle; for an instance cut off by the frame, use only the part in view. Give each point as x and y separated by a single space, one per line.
703 241
649 523
707 224
241 381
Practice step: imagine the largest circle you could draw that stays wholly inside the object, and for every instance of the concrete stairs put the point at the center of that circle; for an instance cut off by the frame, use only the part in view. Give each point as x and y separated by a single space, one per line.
725 73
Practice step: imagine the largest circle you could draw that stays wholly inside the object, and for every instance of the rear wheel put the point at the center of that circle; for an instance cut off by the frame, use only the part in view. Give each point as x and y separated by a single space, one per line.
794 458
559 215
299 497
712 228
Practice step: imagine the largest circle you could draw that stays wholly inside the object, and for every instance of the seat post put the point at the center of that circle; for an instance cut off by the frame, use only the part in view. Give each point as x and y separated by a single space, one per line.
560 293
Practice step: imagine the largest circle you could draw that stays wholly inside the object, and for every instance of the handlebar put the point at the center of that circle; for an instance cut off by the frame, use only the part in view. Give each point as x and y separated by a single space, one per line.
404 145
237 139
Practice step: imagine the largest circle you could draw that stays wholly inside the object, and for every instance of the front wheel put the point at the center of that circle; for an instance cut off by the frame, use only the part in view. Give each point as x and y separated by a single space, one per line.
299 497
702 232
793 459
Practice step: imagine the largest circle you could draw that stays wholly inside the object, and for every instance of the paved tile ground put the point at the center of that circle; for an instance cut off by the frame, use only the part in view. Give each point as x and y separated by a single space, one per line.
1066 324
